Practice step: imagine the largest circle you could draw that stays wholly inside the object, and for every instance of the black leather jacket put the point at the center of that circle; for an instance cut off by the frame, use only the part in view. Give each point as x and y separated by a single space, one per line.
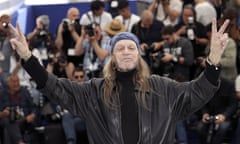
170 102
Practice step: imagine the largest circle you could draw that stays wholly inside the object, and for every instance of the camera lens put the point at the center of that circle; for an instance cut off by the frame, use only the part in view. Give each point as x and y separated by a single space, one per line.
5 24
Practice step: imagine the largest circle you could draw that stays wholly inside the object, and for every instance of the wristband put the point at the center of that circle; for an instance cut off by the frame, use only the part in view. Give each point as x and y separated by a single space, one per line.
211 64
27 55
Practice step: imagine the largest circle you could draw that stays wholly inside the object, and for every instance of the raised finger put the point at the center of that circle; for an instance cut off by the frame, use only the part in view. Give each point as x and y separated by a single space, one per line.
20 31
224 26
13 30
214 26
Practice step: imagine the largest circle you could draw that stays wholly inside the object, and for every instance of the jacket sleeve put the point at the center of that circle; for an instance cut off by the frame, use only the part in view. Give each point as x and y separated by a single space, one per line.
68 94
188 97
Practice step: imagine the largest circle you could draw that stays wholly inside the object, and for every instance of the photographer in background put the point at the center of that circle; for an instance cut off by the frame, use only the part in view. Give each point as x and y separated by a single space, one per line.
69 31
176 55
97 14
125 16
5 46
40 39
189 28
148 31
60 66
167 11
218 113
93 45
20 112
72 124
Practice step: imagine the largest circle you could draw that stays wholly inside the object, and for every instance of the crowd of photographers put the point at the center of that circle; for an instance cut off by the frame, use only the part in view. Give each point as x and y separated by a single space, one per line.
174 39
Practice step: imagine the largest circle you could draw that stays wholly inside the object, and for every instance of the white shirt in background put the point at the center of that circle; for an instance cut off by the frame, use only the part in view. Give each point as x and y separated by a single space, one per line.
128 22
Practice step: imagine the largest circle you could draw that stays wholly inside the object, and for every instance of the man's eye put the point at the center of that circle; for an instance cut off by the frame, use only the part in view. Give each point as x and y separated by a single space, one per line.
132 48
119 48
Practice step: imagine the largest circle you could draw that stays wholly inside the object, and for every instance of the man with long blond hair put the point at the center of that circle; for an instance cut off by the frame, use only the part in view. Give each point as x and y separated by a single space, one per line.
128 105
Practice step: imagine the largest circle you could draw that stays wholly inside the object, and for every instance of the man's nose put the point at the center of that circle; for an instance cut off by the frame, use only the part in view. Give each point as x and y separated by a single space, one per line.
126 51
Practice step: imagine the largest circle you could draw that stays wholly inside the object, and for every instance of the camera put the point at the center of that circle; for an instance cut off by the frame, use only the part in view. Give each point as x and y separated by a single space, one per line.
58 114
16 113
3 32
5 25
43 33
190 28
67 22
211 118
149 49
89 29
62 59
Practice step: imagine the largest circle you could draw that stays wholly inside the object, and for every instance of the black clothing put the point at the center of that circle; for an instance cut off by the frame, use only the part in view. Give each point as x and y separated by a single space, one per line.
148 35
129 109
224 102
68 42
167 101
200 32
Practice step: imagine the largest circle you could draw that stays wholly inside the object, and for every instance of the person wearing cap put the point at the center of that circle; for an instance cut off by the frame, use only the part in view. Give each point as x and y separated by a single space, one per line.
128 105
125 16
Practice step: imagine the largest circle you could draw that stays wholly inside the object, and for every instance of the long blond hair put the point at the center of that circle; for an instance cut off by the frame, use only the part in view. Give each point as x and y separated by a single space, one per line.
141 79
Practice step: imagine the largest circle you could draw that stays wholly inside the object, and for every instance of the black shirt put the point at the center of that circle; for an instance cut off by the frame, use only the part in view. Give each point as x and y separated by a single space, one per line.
129 107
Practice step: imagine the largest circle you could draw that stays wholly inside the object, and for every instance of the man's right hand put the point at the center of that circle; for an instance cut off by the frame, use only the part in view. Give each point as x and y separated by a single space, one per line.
19 43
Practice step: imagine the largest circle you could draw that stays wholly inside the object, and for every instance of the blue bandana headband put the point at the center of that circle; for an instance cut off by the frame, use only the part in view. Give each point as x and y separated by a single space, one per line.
122 36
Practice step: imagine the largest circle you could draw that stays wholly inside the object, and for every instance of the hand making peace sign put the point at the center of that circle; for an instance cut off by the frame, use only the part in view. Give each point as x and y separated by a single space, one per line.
219 41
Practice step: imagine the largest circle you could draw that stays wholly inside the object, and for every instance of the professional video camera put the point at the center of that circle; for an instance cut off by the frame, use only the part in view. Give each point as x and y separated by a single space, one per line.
89 29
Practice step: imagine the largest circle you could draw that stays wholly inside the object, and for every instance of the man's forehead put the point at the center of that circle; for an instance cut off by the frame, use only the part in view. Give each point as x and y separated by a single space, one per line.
125 42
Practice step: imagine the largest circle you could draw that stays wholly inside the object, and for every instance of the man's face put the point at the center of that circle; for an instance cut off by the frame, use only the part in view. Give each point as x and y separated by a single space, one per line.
186 13
98 12
124 12
78 76
147 22
126 54
168 38
74 15
13 83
